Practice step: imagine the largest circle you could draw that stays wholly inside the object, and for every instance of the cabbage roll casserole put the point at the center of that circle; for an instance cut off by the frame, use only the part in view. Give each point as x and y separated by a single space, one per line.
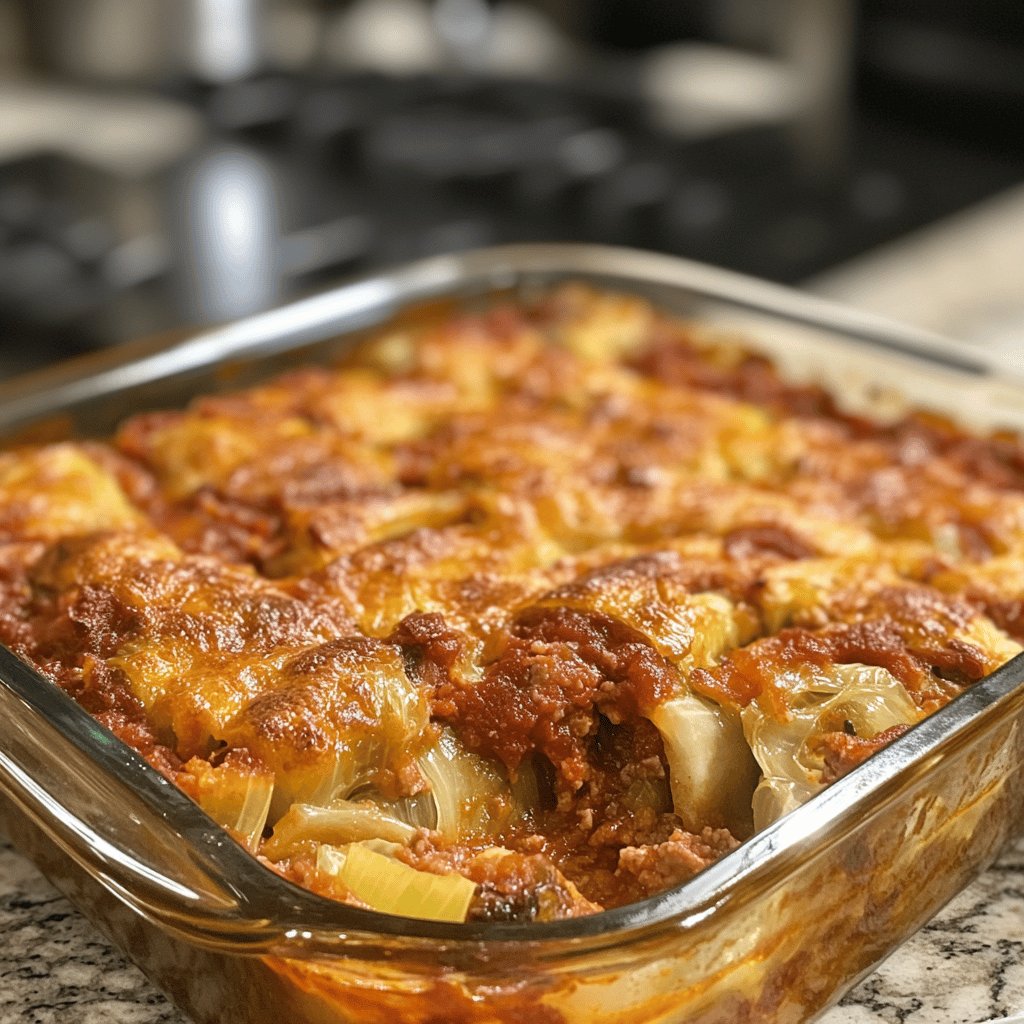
514 615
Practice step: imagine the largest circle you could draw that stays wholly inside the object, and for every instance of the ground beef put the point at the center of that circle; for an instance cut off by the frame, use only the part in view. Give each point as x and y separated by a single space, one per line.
655 868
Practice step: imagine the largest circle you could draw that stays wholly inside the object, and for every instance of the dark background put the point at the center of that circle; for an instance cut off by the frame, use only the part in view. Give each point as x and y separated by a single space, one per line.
190 161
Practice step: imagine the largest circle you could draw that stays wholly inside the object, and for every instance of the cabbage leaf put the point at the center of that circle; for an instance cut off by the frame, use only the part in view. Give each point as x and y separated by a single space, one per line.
341 822
868 697
237 796
711 772
467 795
371 874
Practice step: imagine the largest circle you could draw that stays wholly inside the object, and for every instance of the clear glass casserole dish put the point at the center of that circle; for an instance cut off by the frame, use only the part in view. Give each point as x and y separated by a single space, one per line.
775 931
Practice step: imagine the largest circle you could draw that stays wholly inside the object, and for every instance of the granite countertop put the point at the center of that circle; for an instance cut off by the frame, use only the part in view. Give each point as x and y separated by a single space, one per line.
965 967
961 278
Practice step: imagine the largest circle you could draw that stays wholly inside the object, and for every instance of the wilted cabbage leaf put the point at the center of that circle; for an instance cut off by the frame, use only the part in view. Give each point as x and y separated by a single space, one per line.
371 874
469 793
339 823
466 794
330 719
236 795
711 772
867 697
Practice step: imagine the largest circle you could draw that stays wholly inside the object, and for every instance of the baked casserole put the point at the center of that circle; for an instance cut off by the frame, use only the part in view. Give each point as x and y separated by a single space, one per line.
516 615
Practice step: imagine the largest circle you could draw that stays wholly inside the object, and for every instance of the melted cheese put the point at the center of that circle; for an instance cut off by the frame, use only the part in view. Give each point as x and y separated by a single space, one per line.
577 535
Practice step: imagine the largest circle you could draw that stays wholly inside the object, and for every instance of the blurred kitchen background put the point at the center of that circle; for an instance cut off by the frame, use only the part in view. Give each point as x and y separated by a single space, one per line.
176 162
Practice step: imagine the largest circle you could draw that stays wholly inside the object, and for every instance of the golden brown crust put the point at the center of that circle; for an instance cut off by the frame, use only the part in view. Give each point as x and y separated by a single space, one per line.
536 526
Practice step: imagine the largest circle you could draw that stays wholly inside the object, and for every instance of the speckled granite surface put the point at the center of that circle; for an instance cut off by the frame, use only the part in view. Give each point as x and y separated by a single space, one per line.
54 966
966 967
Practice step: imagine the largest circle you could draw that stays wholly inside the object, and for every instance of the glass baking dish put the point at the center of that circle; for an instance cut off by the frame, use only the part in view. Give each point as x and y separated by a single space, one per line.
774 932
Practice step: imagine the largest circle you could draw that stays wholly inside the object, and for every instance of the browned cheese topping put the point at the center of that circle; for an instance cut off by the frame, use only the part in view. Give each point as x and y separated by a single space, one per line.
562 599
